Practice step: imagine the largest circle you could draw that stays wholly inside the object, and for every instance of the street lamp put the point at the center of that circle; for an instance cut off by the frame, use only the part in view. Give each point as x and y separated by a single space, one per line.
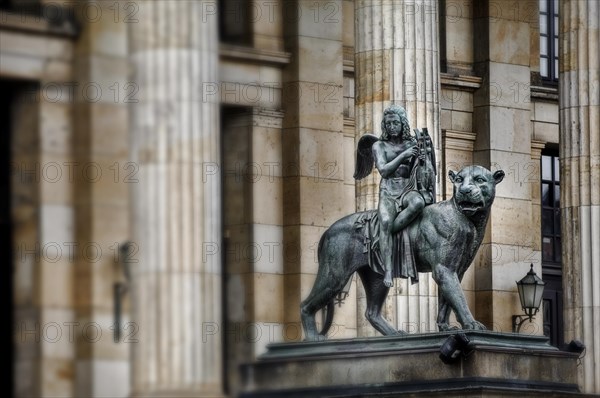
120 288
531 289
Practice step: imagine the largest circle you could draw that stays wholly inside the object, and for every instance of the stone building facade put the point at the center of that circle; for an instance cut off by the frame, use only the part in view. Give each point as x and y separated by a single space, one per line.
172 165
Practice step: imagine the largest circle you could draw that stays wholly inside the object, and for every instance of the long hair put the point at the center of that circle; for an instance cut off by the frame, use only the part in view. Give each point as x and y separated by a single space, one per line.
401 113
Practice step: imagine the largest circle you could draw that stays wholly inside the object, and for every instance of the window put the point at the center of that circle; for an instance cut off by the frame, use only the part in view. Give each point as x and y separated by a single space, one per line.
234 22
32 7
551 250
5 5
549 40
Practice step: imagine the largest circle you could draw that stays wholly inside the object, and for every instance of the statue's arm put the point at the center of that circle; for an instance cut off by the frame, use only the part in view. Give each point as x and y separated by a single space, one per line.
387 169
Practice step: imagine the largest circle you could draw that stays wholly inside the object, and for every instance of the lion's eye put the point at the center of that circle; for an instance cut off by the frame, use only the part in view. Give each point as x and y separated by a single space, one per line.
480 179
458 179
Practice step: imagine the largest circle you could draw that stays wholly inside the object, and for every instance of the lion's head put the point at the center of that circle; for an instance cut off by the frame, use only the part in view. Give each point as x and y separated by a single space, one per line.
474 188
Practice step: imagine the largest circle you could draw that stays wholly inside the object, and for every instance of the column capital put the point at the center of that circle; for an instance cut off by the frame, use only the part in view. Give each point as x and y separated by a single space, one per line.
183 393
460 140
536 149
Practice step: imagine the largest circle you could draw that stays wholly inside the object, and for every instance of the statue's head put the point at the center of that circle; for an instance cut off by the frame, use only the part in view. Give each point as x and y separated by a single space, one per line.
394 117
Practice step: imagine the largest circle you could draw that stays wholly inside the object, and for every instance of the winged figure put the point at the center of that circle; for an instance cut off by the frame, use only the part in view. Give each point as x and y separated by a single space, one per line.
406 164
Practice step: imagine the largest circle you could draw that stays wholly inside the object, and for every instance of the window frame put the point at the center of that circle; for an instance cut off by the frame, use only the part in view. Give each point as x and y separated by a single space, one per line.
552 310
551 265
550 17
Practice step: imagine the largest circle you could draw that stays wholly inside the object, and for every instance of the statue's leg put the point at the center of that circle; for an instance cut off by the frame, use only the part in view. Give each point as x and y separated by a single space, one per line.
412 204
387 212
443 313
385 244
331 278
449 286
317 299
443 319
376 292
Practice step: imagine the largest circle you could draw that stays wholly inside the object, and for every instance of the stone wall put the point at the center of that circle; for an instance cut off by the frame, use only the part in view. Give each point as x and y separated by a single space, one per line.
288 136
69 202
101 196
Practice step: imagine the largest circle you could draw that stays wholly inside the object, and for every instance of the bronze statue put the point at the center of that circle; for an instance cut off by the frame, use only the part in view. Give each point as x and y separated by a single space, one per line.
442 237
402 192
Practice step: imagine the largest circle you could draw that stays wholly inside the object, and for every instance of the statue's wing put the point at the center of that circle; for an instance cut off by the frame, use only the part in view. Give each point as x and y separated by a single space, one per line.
364 156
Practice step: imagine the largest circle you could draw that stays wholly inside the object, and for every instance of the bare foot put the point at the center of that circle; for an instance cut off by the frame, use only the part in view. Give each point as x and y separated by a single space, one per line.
387 280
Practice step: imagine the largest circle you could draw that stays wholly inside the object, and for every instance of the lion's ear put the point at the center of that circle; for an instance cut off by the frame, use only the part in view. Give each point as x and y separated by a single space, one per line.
498 176
451 175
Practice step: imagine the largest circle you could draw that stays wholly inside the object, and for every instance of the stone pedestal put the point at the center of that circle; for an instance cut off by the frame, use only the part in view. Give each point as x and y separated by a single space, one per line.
498 365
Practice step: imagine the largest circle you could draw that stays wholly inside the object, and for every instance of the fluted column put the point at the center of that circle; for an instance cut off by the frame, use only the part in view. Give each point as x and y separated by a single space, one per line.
397 62
312 145
176 203
580 179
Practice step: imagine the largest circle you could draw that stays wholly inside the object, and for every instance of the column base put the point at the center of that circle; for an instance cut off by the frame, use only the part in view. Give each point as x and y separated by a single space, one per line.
492 364
196 393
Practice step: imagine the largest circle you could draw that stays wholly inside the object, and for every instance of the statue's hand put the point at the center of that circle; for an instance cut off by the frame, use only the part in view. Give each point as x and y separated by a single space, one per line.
408 154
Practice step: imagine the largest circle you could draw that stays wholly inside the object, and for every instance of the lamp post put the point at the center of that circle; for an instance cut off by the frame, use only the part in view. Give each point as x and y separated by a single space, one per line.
341 296
531 290
339 299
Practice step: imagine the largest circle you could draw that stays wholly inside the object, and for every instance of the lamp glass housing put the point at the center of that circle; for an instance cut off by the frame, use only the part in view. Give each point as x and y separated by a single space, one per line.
531 290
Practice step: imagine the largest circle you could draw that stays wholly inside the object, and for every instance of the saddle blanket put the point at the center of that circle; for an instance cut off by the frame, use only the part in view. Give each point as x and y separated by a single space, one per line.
403 259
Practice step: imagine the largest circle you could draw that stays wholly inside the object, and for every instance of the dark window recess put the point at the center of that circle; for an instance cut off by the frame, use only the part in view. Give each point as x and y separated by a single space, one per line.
442 35
8 89
234 22
553 310
551 248
551 253
26 7
549 40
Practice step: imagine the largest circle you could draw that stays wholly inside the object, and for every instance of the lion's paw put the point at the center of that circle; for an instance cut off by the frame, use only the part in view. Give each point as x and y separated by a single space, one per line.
475 325
320 337
315 337
444 327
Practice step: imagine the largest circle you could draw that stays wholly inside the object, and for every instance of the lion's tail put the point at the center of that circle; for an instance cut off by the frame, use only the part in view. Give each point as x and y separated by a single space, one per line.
328 318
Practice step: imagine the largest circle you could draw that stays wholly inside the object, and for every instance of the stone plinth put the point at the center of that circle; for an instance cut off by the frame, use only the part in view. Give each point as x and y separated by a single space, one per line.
498 365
